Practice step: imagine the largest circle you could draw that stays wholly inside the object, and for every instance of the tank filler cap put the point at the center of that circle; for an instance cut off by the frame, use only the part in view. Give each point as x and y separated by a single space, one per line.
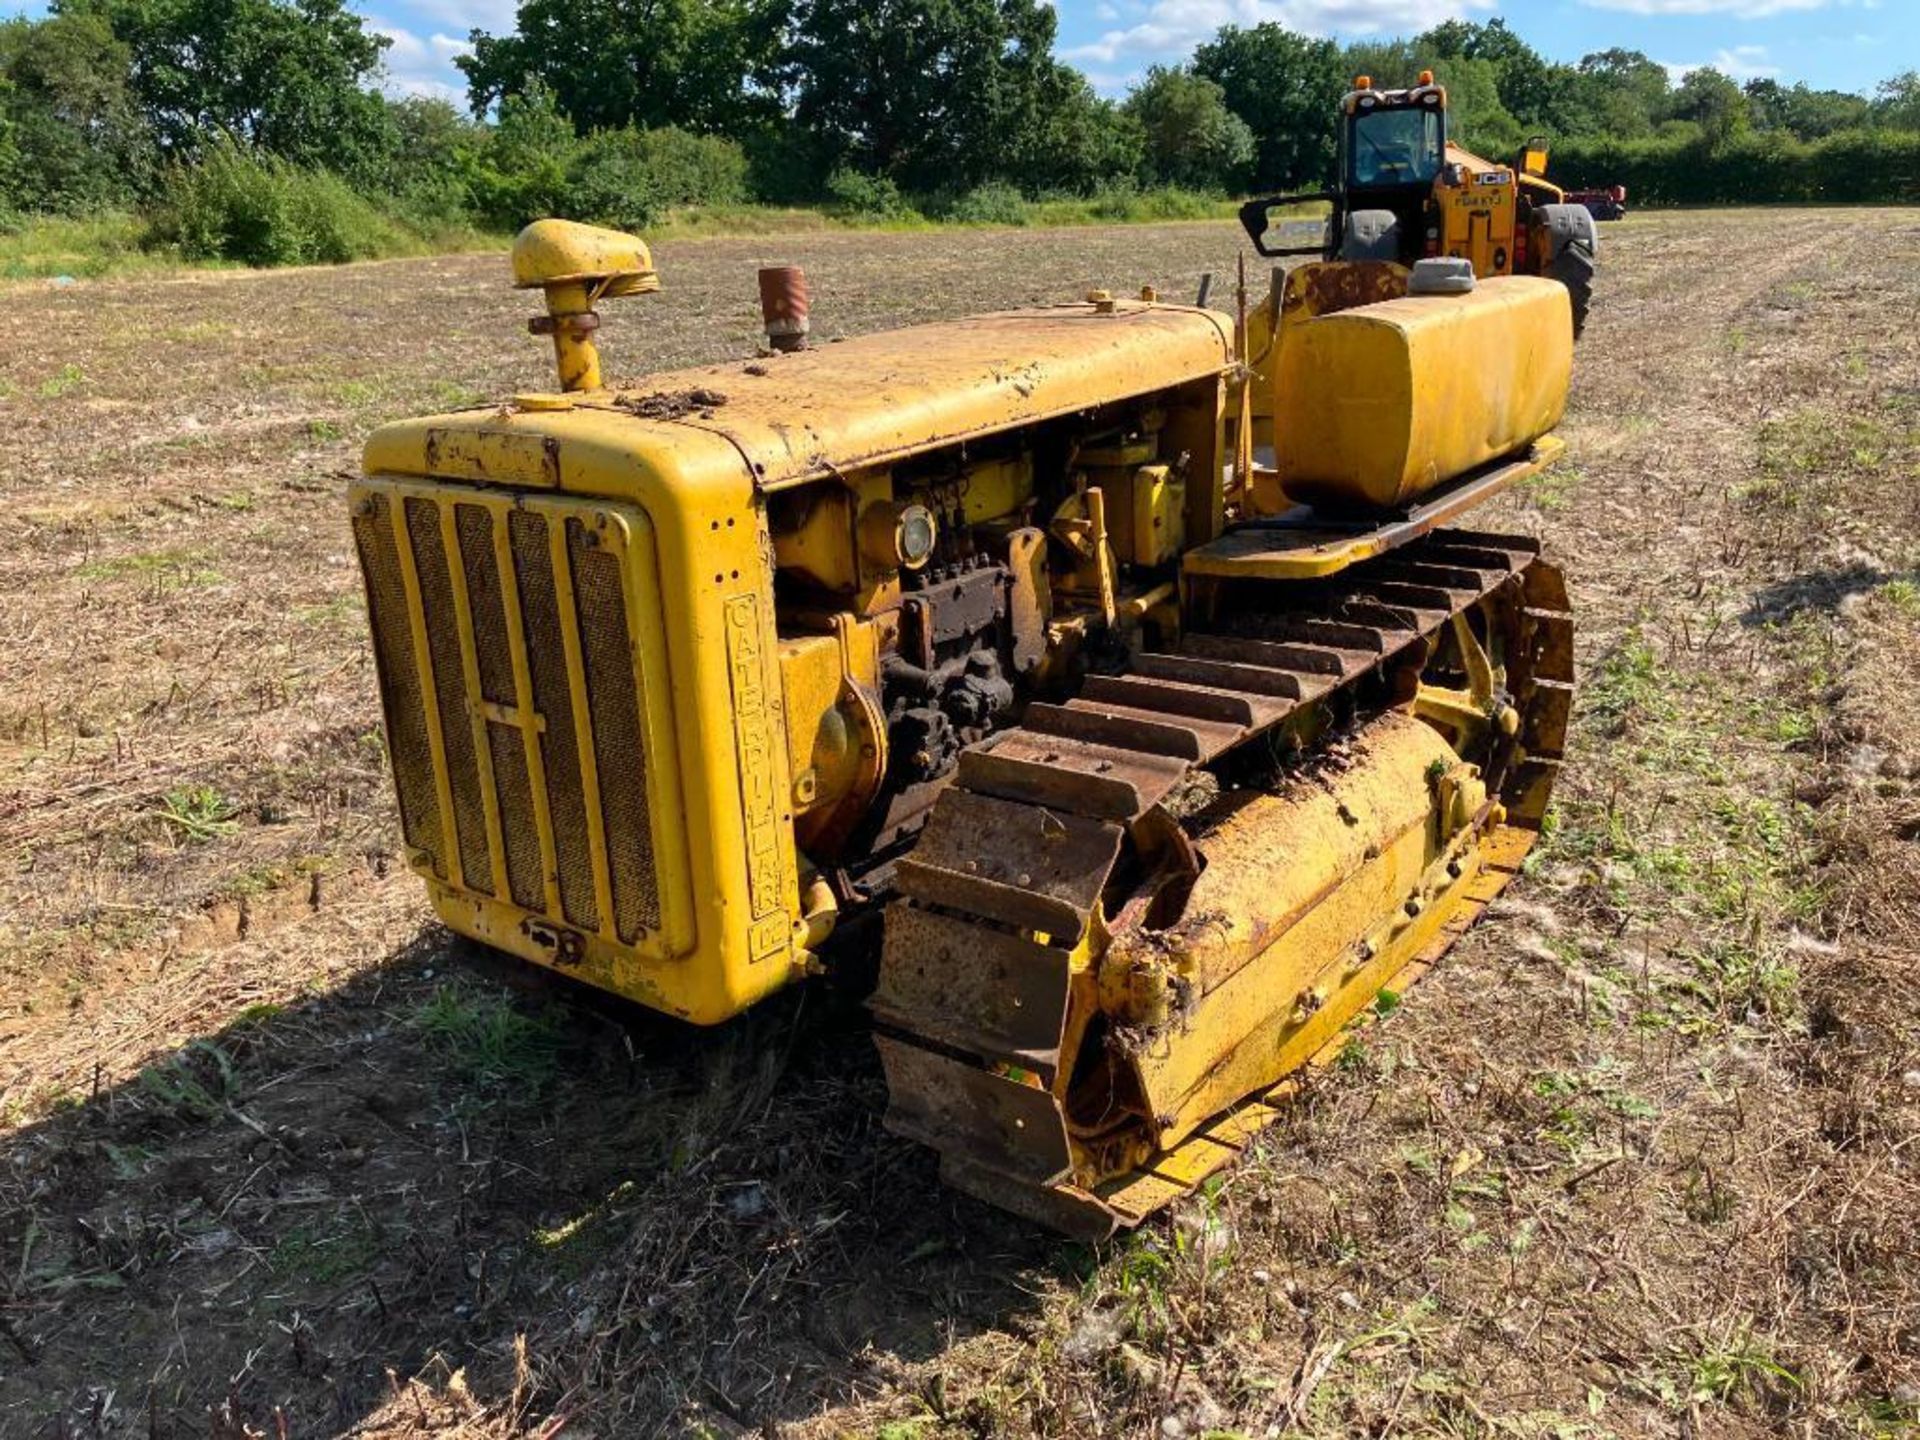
1442 275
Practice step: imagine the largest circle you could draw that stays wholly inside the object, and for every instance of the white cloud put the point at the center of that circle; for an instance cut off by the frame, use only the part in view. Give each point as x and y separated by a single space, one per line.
1173 27
1742 62
422 65
496 17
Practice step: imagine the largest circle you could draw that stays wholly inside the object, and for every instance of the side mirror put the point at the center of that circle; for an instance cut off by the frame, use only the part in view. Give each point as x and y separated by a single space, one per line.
1290 225
1533 159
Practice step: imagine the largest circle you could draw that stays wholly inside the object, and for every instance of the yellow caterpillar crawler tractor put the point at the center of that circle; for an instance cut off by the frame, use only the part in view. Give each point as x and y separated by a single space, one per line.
1161 763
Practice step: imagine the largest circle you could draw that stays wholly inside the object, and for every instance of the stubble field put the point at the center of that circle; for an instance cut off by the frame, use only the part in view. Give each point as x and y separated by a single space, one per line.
279 1157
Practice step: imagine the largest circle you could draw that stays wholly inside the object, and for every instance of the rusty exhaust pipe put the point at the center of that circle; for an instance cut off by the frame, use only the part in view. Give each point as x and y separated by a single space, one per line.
783 306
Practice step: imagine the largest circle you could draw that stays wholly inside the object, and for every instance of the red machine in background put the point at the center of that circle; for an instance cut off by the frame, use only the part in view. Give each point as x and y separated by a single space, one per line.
1607 204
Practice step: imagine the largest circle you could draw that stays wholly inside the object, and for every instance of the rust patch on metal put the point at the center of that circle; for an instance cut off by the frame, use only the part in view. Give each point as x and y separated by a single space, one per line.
958 1108
992 994
673 404
1321 289
1012 863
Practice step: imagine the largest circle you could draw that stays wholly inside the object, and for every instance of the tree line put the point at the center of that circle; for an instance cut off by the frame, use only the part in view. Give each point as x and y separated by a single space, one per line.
257 129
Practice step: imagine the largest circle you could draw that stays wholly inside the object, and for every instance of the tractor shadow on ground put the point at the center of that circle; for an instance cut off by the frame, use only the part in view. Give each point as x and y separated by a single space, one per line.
451 1151
1823 590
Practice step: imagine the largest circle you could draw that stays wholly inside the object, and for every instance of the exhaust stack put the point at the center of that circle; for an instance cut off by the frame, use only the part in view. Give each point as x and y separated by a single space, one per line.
783 306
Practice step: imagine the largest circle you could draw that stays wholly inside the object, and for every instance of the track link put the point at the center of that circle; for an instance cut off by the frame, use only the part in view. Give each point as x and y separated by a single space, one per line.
990 975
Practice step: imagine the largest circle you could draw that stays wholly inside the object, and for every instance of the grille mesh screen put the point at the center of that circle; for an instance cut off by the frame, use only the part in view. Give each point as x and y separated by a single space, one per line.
450 689
393 660
560 750
482 569
614 697
611 722
516 817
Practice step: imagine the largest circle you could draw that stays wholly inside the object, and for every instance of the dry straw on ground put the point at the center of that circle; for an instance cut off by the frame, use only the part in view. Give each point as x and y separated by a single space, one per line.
1639 1159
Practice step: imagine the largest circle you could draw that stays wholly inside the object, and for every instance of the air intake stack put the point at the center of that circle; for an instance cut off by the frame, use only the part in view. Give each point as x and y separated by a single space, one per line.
578 266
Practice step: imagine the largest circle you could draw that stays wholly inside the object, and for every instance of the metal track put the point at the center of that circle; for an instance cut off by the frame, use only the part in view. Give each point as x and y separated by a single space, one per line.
988 973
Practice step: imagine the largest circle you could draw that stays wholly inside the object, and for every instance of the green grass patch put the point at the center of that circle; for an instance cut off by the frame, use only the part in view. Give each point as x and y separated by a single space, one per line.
1741 1368
43 247
1629 682
452 395
360 394
1745 981
61 381
264 879
1803 456
1697 838
1553 488
196 1084
320 1256
1902 595
198 813
165 569
488 1039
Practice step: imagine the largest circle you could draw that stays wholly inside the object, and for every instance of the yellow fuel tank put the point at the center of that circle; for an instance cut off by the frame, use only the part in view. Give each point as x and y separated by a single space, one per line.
1377 405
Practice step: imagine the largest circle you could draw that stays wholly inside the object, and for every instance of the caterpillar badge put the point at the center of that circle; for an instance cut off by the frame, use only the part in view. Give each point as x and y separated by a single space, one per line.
1162 756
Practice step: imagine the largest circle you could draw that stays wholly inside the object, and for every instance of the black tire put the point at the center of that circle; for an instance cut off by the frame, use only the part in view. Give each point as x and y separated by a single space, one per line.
1567 236
1573 267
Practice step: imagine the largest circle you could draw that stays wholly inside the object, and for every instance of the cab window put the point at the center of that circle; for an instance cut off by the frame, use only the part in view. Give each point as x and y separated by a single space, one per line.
1401 146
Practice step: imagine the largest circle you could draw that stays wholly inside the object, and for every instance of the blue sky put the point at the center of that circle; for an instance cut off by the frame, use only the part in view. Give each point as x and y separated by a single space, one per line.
1840 44
1843 44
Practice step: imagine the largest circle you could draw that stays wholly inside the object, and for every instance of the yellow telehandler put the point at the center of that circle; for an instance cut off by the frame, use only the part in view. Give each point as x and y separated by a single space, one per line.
1406 192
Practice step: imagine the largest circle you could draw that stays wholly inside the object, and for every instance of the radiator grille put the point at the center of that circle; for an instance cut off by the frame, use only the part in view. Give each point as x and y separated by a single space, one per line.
406 715
560 750
504 781
521 840
450 690
614 698
483 598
